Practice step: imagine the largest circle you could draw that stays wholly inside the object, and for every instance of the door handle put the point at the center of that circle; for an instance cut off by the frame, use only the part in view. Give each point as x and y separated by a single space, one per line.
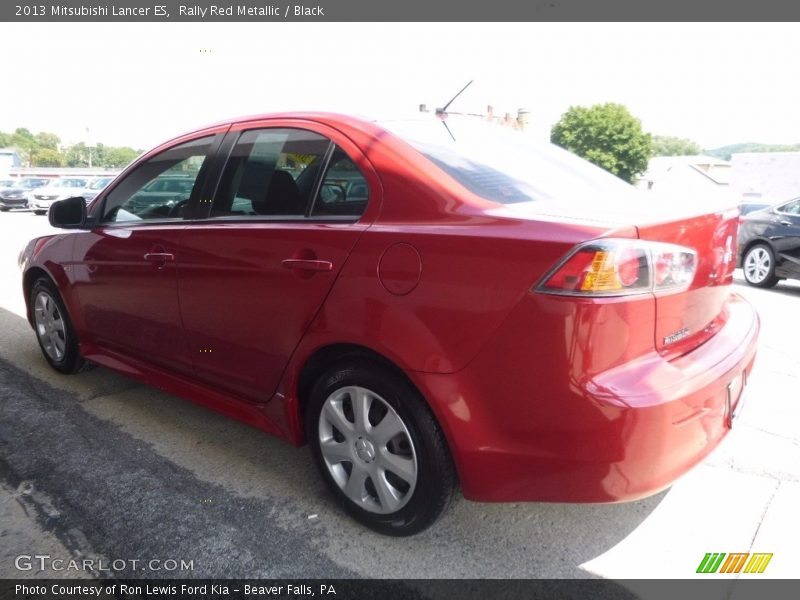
159 256
307 264
159 259
786 223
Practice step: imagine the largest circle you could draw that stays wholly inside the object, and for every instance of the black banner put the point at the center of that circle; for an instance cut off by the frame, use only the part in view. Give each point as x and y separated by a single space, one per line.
399 11
350 589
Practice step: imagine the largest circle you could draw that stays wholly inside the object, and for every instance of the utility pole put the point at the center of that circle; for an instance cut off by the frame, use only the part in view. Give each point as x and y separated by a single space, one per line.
89 145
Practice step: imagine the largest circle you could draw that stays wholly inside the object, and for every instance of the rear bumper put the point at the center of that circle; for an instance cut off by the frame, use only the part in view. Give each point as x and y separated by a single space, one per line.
521 431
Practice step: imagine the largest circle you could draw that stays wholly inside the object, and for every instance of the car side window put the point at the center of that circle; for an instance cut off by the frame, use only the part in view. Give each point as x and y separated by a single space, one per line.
344 191
159 188
793 208
270 173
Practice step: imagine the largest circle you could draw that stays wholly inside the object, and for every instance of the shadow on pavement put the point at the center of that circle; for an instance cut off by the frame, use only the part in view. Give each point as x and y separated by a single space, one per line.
131 472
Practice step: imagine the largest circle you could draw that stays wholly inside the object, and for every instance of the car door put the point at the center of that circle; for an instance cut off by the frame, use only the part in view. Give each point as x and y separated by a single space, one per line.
127 264
256 269
785 235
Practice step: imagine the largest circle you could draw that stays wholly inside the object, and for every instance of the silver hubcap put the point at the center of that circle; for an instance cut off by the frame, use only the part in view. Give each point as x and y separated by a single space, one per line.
367 449
757 264
49 326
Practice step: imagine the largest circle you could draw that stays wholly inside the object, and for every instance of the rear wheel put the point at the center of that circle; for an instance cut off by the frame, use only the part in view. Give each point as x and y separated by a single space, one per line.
379 449
759 266
53 328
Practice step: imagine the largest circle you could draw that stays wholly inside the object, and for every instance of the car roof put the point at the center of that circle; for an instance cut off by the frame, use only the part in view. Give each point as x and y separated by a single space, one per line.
324 118
321 116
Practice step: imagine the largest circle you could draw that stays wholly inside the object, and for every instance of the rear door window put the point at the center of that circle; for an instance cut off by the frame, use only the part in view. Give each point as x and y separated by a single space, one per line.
289 174
271 173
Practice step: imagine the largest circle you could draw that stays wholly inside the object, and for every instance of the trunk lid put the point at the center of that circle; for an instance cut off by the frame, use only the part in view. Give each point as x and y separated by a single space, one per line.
686 319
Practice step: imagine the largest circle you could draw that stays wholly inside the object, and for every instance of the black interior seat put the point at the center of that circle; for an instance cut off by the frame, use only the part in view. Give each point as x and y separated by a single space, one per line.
282 197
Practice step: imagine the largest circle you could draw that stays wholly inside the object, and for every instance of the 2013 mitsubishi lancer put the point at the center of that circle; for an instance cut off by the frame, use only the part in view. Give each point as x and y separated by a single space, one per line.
424 305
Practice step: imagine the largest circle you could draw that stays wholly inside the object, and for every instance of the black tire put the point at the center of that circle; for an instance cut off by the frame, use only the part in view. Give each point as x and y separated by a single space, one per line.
762 276
435 476
3 209
69 361
39 212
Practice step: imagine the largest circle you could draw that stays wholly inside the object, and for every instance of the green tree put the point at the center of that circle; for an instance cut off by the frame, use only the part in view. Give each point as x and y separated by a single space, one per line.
607 135
667 145
21 134
25 143
5 139
99 155
119 157
77 155
47 157
44 139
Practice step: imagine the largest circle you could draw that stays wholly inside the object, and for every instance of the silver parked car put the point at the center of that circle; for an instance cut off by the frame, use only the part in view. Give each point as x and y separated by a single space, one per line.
95 187
40 199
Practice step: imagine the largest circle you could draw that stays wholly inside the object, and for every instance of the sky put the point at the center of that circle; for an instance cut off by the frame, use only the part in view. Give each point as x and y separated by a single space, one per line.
140 84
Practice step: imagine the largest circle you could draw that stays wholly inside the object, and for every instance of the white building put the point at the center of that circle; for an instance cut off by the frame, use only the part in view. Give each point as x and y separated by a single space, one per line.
765 177
9 158
691 180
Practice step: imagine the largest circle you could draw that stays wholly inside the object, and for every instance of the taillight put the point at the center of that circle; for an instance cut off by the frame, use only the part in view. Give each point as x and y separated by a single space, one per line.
619 267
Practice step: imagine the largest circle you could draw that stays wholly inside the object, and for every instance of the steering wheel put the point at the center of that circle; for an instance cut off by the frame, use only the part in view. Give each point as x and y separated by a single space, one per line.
177 209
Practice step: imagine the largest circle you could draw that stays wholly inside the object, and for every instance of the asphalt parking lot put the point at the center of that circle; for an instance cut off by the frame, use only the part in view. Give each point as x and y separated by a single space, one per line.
99 466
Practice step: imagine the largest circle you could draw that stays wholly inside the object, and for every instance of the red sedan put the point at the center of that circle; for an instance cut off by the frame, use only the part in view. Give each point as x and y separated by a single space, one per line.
424 305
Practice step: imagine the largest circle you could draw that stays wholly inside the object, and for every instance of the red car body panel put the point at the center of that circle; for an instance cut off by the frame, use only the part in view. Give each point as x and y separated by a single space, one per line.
240 349
603 435
127 304
541 397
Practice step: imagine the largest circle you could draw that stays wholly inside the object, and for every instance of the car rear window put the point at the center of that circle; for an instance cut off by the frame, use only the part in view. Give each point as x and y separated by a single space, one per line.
31 183
67 183
503 165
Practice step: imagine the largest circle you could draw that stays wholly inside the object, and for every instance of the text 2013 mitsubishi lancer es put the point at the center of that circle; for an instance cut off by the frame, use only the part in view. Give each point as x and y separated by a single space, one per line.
425 306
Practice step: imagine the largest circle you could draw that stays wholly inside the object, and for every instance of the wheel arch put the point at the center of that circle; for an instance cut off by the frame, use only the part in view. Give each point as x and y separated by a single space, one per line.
325 356
759 241
440 472
28 279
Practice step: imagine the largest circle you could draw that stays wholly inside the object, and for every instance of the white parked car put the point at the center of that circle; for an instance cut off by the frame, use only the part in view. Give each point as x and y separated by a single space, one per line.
40 199
95 187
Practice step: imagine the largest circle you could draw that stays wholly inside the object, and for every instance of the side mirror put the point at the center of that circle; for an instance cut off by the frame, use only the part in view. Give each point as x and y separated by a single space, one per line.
68 214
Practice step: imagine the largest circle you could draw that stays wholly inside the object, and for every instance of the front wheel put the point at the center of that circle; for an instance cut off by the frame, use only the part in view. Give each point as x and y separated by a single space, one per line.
759 266
53 328
379 448
39 212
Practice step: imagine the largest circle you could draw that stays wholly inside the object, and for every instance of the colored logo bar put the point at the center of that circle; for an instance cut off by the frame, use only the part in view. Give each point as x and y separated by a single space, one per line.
716 562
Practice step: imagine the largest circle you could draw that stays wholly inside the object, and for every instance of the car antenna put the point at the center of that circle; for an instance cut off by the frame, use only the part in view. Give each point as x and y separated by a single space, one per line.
442 112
